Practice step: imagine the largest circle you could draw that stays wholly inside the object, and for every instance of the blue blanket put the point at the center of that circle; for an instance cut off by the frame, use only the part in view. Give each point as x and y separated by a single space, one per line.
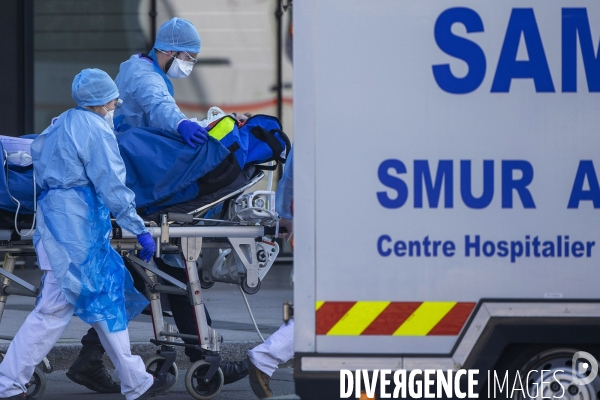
162 170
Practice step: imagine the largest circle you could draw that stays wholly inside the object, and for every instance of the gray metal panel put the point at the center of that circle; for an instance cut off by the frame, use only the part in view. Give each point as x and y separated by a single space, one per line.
352 363
411 363
385 344
519 310
543 309
305 195
330 364
471 335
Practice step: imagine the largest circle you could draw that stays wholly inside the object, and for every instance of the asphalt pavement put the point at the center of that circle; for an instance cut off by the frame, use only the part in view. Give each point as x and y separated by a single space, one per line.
59 387
229 314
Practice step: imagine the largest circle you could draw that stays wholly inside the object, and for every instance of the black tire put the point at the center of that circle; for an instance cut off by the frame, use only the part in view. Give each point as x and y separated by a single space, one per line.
194 381
247 289
561 371
153 365
523 358
206 284
37 385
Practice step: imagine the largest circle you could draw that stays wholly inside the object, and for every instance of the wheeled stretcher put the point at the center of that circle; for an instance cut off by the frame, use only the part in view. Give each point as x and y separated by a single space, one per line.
235 245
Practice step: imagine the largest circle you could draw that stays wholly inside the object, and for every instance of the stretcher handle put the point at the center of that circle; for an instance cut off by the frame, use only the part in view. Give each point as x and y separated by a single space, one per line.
179 217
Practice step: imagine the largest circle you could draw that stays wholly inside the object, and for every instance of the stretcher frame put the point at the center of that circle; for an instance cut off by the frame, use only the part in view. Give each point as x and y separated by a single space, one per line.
190 245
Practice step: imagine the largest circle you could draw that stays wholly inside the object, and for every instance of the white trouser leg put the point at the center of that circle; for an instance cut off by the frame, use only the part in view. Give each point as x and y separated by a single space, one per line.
36 337
277 349
129 368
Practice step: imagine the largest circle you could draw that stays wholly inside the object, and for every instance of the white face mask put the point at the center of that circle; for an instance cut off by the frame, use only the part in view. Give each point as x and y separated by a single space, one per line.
180 68
109 118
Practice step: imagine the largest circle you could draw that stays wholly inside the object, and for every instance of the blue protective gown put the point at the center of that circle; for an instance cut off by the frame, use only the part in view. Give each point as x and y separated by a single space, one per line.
285 189
147 95
77 164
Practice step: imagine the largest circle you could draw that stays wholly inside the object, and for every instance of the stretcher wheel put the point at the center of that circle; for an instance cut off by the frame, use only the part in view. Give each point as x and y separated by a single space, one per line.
194 381
247 289
206 284
154 364
37 384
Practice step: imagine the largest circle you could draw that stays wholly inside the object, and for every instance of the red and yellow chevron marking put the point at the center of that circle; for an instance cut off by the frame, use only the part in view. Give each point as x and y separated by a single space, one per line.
391 318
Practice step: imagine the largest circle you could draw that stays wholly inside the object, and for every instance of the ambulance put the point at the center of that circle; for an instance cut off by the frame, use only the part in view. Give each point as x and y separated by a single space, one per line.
447 198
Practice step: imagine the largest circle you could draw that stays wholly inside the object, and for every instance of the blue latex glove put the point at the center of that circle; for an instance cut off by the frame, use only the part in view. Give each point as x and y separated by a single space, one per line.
192 133
148 246
120 126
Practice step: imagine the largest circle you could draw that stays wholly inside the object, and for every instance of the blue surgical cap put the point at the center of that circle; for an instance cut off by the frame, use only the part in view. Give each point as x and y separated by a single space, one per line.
93 87
178 35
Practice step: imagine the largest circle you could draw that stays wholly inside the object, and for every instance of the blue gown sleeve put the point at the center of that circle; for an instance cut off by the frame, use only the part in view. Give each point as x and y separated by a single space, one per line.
285 189
106 170
158 104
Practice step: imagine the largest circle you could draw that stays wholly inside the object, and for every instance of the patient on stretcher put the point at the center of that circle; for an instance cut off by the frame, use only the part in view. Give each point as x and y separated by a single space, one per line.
165 174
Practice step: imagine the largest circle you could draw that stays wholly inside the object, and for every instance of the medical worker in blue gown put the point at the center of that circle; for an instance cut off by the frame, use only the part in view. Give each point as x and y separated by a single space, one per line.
145 86
77 164
146 89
